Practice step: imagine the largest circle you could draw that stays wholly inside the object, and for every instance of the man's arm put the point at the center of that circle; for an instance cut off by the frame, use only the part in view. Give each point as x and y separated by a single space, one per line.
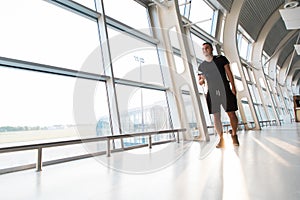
230 77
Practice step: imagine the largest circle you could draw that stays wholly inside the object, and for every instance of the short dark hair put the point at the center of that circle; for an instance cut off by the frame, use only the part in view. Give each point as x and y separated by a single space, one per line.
209 44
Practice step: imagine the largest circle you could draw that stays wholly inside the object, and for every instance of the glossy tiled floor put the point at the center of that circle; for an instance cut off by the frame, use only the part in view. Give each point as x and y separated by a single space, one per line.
265 167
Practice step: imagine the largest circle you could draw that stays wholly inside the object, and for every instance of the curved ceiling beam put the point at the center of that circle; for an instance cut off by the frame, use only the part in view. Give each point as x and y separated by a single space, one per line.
295 78
295 82
290 76
230 33
286 76
294 54
295 71
259 44
275 57
231 51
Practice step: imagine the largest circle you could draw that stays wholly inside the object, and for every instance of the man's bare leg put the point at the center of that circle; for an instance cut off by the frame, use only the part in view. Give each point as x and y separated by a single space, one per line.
219 129
233 122
234 125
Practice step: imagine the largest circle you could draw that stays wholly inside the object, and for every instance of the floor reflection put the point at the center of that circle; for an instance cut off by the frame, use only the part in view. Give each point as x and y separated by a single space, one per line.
234 185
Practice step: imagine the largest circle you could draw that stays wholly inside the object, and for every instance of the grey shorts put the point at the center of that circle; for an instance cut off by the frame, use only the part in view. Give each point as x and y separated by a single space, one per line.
216 98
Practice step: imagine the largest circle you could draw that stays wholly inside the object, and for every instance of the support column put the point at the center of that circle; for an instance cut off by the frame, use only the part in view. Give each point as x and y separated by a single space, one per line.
295 84
165 19
257 52
115 121
231 52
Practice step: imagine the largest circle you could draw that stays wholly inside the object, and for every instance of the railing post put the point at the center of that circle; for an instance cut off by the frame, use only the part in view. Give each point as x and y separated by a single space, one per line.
150 141
39 160
108 148
177 136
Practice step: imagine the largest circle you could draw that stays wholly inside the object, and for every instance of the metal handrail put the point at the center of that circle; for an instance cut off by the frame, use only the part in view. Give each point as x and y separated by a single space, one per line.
108 138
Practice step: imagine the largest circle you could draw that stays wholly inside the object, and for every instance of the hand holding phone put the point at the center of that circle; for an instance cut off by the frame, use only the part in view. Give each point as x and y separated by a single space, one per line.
201 78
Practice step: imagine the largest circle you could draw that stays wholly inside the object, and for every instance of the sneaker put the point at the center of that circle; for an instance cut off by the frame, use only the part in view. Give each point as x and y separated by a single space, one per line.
235 140
221 143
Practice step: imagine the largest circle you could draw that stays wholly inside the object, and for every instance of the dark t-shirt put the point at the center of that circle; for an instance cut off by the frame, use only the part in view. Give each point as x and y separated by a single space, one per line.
214 73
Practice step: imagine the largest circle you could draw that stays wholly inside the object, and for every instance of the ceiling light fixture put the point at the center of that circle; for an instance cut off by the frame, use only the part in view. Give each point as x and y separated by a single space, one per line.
291 4
297 48
291 17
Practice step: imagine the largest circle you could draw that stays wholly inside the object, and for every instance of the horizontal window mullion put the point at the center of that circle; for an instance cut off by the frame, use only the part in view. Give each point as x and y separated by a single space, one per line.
49 69
131 31
139 84
77 8
176 51
186 92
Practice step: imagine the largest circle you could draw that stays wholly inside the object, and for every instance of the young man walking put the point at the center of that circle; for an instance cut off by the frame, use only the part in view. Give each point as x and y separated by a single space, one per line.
215 72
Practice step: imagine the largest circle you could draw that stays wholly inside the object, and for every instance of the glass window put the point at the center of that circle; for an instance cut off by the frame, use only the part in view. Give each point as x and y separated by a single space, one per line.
35 101
222 29
235 69
16 159
189 108
252 93
278 111
247 110
262 83
238 114
39 106
202 89
252 76
269 86
283 111
205 110
246 73
61 152
224 117
266 97
197 44
202 14
122 11
286 100
271 113
256 94
173 34
262 112
243 48
239 84
41 32
134 59
278 100
184 7
142 110
273 99
250 47
90 108
258 112
179 64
